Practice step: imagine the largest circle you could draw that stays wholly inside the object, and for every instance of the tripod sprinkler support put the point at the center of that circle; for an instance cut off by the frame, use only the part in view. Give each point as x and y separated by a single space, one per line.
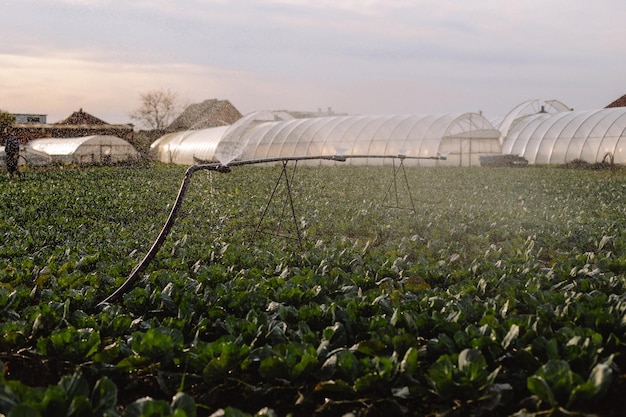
218 167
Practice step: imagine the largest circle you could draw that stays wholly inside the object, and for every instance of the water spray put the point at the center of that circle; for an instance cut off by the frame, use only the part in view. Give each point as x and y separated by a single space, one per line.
222 168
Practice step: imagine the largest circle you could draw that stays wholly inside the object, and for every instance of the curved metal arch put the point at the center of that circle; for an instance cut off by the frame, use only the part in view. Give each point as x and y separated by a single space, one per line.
513 144
195 146
376 123
574 124
557 105
302 130
545 137
535 107
320 136
281 139
177 139
236 133
525 133
601 117
309 131
342 126
404 140
163 141
467 123
426 122
358 125
440 125
620 117
258 144
410 140
621 138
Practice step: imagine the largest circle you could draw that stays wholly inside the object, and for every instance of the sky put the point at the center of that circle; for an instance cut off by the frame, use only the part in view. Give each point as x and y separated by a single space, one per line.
350 56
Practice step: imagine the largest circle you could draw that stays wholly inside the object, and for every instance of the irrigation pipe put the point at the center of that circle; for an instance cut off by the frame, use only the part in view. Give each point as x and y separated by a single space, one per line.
135 273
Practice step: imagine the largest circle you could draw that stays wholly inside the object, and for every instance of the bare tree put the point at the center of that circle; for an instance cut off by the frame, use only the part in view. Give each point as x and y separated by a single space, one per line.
158 109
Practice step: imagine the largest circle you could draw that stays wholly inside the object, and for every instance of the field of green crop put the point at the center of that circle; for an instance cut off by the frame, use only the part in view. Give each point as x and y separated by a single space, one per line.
501 294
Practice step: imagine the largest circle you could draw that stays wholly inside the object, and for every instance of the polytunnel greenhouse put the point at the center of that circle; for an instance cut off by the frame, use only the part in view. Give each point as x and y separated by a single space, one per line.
503 124
27 157
84 150
365 139
188 146
558 138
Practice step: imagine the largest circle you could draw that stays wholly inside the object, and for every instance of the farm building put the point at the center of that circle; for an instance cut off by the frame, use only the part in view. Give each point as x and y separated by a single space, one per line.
463 138
207 114
78 124
83 150
558 138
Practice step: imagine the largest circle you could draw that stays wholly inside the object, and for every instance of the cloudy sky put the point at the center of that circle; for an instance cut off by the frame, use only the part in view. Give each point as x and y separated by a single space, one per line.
354 56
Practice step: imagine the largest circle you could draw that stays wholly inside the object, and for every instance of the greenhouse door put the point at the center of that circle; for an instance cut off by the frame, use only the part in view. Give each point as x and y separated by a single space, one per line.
466 152
105 154
458 151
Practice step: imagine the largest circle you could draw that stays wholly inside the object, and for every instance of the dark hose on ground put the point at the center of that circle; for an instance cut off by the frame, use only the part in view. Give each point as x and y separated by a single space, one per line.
134 275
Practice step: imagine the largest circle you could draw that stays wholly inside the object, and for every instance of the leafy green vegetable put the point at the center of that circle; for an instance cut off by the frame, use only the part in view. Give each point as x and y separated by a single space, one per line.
504 287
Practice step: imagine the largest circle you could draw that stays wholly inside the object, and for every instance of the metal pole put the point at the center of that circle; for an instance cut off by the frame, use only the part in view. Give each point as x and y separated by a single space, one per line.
134 275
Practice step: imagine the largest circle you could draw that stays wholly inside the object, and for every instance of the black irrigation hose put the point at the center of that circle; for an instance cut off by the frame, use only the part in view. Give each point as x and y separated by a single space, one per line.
134 275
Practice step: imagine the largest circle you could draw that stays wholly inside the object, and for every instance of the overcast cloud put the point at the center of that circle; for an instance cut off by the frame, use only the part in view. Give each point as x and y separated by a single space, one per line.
367 56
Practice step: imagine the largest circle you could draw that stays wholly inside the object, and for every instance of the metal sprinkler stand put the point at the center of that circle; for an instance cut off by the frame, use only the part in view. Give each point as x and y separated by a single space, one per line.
134 275
394 182
394 185
289 199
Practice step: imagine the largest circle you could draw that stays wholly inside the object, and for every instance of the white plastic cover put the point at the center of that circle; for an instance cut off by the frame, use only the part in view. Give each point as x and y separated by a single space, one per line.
558 138
87 149
189 146
463 138
503 124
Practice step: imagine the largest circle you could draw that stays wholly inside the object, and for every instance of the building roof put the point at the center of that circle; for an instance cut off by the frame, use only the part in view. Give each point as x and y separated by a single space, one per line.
81 118
209 113
620 102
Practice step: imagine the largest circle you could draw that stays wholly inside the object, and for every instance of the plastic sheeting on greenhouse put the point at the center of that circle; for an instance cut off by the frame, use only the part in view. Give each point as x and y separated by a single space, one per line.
526 108
189 146
462 138
84 150
27 157
558 138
